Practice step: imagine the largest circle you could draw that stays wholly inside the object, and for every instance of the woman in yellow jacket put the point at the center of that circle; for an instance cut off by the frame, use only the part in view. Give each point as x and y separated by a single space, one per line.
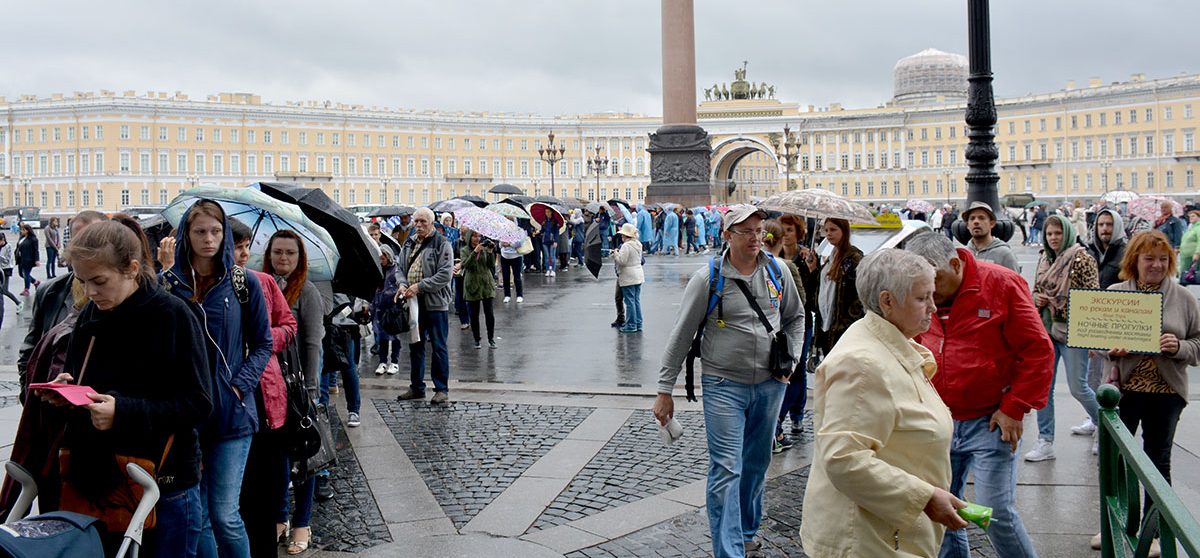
881 468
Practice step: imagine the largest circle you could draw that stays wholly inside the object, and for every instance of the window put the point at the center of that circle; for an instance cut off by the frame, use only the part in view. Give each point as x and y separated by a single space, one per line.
337 139
1149 145
266 136
1041 126
99 197
1087 148
200 166
1087 121
1149 180
269 164
124 160
124 196
1012 128
199 134
1057 122
1132 116
424 167
1012 153
1133 180
216 135
162 163
83 129
1026 126
144 163
1149 115
1169 143
233 136
1167 113
1074 122
1170 180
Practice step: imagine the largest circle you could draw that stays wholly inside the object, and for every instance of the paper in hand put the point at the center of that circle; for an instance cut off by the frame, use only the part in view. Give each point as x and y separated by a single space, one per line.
670 432
76 395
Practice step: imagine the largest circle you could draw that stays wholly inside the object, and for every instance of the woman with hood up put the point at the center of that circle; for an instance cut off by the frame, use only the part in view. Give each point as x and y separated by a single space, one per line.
236 326
1064 265
389 345
670 235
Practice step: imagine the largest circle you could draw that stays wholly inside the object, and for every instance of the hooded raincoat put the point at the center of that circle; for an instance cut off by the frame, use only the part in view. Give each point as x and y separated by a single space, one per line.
238 338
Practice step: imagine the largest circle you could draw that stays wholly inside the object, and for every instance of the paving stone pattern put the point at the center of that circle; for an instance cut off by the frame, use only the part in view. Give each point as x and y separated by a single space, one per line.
351 521
469 452
634 464
688 534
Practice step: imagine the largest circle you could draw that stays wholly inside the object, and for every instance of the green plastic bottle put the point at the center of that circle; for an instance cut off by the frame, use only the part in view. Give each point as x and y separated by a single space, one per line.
977 514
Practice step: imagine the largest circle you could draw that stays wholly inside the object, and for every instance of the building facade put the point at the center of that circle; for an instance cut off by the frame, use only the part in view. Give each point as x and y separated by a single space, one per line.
107 151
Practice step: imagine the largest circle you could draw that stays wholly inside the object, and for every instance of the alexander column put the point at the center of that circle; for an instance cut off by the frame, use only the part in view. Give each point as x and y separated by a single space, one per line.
679 150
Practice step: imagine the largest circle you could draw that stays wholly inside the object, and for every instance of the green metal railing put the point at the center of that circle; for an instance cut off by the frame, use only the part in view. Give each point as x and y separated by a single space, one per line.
1125 470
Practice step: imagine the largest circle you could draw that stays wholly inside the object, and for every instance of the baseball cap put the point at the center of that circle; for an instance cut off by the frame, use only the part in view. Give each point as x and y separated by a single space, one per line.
741 212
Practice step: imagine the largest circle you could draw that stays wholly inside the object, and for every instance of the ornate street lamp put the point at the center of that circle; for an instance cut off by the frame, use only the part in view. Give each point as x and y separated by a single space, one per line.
25 180
787 149
981 153
1104 166
552 155
597 164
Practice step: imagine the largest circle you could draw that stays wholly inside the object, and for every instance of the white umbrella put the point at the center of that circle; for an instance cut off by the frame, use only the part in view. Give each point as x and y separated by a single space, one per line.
1120 196
818 204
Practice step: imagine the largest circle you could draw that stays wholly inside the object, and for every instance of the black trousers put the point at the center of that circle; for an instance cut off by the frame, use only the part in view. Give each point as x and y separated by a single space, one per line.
1158 414
489 317
510 270
620 302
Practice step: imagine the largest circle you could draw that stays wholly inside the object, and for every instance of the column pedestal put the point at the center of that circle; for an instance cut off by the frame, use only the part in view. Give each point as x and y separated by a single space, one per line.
680 157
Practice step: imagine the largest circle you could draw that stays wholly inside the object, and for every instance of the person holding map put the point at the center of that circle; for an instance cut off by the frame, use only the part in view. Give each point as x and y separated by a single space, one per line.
1154 387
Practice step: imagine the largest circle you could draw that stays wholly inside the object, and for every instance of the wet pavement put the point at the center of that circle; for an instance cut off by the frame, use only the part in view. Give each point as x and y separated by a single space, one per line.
548 448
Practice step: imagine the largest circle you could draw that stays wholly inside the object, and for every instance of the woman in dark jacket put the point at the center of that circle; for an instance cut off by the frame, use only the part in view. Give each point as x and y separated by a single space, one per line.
143 352
478 268
27 257
287 262
835 289
233 312
549 244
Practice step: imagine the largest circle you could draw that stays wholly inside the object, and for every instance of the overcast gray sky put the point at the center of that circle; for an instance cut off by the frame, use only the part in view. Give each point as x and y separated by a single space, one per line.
565 56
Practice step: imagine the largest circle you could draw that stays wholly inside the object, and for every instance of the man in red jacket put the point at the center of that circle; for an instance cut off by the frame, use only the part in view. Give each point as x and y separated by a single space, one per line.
994 365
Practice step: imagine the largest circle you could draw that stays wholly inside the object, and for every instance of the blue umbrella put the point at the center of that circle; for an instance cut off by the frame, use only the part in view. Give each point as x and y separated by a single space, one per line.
264 215
700 209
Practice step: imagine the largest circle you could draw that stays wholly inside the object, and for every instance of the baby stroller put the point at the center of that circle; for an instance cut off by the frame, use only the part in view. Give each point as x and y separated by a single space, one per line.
67 534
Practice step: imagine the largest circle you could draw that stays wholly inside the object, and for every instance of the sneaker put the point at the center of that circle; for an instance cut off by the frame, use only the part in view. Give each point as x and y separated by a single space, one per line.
477 345
1043 452
20 306
785 441
352 420
324 488
776 447
440 398
617 323
491 343
520 299
546 274
553 274
506 299
379 370
1085 428
464 327
1095 542
629 330
393 369
410 394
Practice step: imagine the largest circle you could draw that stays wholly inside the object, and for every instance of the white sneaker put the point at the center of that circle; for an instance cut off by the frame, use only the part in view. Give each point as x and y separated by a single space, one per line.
352 420
553 274
1043 452
1085 428
547 274
506 299
520 299
393 369
379 370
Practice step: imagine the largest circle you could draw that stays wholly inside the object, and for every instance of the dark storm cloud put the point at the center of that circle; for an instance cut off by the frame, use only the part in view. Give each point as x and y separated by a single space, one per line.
566 56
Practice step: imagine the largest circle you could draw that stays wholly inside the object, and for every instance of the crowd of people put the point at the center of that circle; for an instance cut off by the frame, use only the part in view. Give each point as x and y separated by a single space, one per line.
930 357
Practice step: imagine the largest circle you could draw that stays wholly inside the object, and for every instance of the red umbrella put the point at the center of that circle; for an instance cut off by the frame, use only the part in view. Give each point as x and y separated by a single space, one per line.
539 211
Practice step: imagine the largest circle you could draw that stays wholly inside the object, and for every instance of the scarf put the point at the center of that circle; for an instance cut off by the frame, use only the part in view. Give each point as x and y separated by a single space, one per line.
1161 220
1054 272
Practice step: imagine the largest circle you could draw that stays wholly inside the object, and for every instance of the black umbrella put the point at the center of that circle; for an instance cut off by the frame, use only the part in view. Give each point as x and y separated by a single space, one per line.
523 200
592 256
622 202
358 272
478 201
593 208
392 211
505 189
450 205
550 200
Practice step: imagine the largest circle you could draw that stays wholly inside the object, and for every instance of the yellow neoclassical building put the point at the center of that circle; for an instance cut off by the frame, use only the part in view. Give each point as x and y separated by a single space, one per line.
111 150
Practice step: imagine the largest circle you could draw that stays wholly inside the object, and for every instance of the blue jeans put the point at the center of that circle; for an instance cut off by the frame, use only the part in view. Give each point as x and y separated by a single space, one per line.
549 253
177 533
51 261
994 465
224 533
460 303
434 329
349 376
739 424
1076 364
305 493
632 297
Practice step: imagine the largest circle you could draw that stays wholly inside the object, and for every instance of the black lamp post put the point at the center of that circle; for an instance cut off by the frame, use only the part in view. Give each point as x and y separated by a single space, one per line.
597 164
788 150
552 155
981 153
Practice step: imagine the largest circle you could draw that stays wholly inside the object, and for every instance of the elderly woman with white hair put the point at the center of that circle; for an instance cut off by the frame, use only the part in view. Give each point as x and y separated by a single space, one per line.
881 468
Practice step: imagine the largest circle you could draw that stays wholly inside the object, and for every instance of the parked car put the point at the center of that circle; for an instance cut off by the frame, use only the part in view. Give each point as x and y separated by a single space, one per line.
870 238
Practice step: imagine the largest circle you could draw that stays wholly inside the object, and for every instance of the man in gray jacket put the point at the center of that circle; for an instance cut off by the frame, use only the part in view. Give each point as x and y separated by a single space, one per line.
424 269
980 219
741 397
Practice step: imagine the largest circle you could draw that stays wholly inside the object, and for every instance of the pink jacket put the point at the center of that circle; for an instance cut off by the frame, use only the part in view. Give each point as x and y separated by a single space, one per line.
283 331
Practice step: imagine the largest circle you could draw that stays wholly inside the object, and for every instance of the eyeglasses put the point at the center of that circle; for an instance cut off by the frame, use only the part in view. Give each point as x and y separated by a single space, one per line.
753 232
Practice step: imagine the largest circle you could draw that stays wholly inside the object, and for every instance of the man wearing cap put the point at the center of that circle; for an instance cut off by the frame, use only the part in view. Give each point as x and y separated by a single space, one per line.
980 219
741 398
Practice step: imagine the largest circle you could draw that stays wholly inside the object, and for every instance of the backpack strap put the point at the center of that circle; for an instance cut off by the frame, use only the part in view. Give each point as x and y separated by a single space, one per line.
716 283
238 276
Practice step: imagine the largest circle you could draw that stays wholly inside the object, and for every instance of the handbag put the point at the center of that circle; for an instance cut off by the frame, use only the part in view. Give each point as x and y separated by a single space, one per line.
780 361
1189 277
116 510
326 455
308 435
394 319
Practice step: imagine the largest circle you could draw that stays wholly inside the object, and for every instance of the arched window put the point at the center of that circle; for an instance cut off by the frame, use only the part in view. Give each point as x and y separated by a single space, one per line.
641 166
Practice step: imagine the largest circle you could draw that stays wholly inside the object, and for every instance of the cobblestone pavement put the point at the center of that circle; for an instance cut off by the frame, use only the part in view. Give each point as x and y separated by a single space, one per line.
351 521
633 465
688 534
469 452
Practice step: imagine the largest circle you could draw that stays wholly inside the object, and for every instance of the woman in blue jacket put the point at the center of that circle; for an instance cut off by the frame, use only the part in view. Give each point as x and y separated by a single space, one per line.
237 331
549 244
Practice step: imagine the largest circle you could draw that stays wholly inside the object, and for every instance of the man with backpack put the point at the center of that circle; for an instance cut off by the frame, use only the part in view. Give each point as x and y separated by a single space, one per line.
741 314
